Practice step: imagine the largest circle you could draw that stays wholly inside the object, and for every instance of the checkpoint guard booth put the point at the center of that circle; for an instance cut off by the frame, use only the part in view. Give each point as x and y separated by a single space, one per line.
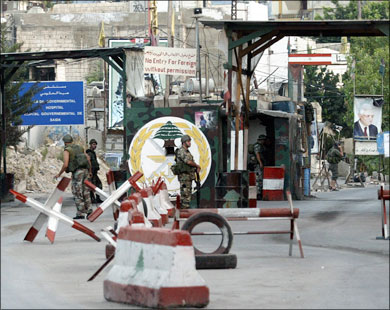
152 135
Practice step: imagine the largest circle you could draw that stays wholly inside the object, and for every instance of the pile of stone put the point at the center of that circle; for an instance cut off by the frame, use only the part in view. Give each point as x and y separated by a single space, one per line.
34 170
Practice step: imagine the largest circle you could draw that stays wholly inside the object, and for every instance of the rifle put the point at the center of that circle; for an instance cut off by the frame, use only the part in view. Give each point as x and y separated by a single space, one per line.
197 181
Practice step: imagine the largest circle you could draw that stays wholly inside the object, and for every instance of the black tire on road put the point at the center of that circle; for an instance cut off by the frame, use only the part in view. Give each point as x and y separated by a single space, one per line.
216 261
220 222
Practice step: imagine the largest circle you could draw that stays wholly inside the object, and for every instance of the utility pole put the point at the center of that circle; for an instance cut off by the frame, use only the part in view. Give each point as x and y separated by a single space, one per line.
168 78
3 126
359 7
197 15
234 10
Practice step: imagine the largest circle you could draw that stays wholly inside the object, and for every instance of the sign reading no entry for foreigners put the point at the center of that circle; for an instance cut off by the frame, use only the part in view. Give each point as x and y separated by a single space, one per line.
170 61
62 103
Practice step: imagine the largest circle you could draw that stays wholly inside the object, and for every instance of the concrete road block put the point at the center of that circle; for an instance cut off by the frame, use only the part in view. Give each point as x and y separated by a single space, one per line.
155 267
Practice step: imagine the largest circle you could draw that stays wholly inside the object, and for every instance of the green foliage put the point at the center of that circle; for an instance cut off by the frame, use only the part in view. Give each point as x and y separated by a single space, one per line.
15 105
321 86
96 74
371 10
367 53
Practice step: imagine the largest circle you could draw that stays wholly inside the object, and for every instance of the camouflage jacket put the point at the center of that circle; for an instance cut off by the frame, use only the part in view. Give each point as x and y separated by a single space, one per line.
258 148
183 156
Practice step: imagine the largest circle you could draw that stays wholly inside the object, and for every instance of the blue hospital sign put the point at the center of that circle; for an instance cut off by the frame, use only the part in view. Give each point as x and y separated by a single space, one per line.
62 104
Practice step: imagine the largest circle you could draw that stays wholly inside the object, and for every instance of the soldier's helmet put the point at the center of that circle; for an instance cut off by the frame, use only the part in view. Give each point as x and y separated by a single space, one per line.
67 138
185 138
93 141
262 137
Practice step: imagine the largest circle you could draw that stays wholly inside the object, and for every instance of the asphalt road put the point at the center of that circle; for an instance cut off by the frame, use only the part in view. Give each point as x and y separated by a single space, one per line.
345 266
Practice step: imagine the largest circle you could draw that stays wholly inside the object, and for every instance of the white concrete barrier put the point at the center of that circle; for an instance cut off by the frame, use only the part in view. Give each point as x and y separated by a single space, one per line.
155 268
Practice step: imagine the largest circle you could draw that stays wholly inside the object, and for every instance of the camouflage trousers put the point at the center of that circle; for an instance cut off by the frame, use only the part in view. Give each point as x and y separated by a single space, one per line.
185 192
259 179
80 192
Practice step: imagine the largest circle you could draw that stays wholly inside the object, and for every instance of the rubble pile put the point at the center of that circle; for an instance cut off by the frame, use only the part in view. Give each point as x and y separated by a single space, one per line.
34 170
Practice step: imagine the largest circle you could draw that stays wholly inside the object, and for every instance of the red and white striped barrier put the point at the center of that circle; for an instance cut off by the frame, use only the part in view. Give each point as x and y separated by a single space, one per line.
114 196
153 216
273 183
53 200
252 192
54 214
242 214
155 268
384 195
198 216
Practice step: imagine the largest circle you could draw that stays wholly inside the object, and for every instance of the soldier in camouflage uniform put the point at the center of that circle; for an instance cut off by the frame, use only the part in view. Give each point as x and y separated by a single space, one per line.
188 169
334 156
95 198
79 174
259 150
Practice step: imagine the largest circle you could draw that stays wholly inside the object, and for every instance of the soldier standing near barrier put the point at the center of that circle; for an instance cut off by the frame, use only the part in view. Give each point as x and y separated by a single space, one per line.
95 198
78 163
259 150
334 156
187 170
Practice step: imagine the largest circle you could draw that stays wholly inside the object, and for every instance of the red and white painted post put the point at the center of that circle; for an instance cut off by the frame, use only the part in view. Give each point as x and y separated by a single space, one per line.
384 195
153 216
164 199
273 183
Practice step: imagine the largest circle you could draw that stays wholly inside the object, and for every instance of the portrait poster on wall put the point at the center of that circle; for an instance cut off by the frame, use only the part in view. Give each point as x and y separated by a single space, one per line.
367 119
205 119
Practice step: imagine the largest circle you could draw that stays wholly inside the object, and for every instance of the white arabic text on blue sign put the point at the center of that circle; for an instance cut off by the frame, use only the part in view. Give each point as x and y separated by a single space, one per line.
62 104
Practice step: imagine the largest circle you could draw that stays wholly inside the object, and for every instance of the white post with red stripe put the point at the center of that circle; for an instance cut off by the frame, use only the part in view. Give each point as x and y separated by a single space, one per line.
114 196
384 195
155 268
110 181
160 209
273 183
294 227
156 201
54 214
164 199
137 198
153 216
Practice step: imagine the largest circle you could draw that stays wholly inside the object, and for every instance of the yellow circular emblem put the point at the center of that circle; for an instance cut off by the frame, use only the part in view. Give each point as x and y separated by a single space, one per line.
152 151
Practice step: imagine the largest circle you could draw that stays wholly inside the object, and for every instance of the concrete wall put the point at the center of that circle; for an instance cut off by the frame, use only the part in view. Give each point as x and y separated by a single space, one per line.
77 26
